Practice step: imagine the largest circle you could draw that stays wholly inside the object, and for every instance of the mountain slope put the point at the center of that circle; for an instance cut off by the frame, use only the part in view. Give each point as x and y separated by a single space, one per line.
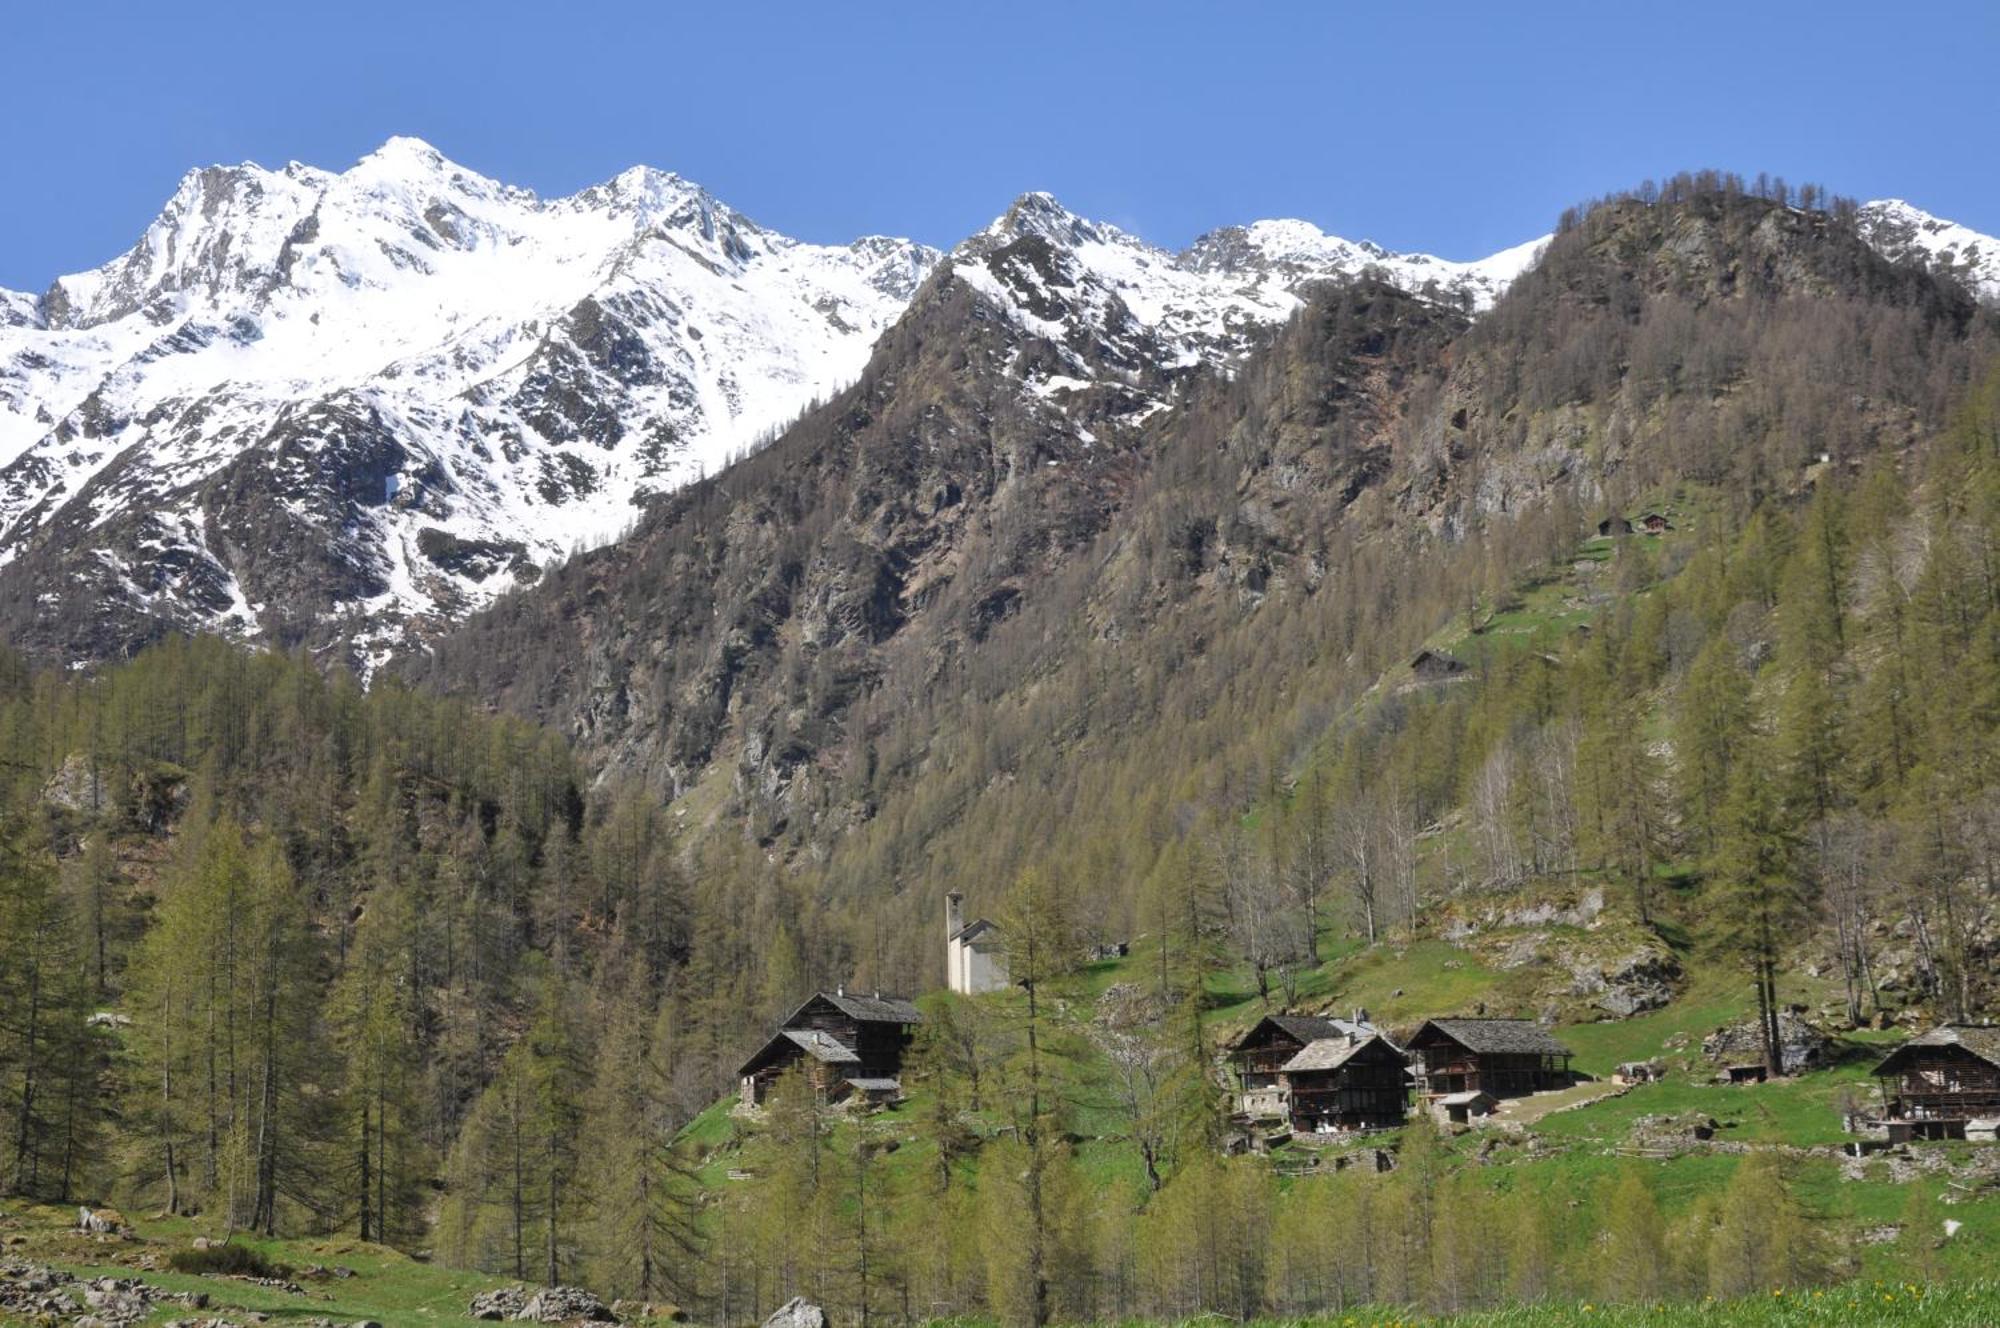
956 547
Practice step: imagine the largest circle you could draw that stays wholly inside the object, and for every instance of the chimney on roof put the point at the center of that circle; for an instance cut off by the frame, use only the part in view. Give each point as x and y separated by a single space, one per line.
840 990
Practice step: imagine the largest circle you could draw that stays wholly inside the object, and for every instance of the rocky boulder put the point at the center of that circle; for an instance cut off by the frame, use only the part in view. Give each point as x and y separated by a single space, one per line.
1626 984
1468 919
798 1312
100 1221
499 1303
559 1304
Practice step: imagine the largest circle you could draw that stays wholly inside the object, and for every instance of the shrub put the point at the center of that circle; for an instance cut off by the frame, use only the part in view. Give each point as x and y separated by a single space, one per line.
227 1260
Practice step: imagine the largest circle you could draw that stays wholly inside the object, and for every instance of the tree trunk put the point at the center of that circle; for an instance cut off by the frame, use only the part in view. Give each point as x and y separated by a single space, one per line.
366 1230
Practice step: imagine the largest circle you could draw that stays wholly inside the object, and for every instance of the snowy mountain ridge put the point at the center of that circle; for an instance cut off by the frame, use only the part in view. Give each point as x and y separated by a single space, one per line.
497 379
346 409
1903 232
1107 309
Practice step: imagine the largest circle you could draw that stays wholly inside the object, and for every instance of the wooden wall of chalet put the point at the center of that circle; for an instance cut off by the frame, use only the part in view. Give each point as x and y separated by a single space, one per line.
1366 1093
1452 1069
1942 1083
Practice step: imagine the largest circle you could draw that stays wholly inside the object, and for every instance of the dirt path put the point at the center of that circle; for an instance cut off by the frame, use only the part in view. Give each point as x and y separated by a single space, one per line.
1528 1110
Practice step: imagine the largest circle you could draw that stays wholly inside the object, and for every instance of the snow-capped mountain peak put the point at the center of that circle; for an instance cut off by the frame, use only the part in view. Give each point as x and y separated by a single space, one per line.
1903 231
436 380
1113 311
1301 250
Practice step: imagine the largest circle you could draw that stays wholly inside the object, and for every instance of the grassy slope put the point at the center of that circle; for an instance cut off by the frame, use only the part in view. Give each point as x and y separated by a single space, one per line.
1574 1149
388 1287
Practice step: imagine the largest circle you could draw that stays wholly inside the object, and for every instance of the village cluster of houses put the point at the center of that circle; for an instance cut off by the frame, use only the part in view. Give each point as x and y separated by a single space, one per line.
1317 1075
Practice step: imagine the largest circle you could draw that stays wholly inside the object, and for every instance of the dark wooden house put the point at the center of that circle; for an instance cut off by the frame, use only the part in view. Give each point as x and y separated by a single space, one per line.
1655 523
1260 1055
1614 525
1435 666
1938 1083
1355 1081
846 1045
1498 1057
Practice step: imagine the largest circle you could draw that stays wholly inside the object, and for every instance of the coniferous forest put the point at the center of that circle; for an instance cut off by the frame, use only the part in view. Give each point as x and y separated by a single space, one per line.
454 965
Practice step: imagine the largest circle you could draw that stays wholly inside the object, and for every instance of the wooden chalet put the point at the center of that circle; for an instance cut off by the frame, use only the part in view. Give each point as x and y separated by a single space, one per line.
1435 666
1259 1058
1498 1057
1942 1084
846 1045
1353 1081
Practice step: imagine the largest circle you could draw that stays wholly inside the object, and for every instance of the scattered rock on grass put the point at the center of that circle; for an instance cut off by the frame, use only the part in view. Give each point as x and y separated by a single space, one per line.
559 1304
499 1303
798 1312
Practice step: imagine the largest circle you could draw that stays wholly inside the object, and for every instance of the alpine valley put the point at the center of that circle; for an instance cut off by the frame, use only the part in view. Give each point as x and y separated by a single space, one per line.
1049 781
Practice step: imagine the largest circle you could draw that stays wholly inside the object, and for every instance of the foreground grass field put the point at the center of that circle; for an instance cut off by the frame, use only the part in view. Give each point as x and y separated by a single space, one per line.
394 1290
1857 1305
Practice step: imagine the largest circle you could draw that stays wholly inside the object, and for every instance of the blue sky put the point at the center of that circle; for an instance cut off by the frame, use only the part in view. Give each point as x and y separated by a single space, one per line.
1453 128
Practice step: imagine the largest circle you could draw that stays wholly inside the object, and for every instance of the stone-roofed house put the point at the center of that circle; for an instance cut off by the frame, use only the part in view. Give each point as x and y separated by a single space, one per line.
1498 1057
845 1045
1260 1056
1351 1081
1939 1083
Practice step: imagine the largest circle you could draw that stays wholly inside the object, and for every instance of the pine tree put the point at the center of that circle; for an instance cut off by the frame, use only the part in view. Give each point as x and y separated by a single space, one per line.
558 1084
1762 1240
1041 938
1764 898
48 1057
1713 722
376 1027
643 1233
1634 1263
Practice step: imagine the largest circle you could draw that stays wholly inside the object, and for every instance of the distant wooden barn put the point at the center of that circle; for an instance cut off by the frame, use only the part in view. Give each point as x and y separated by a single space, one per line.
1435 666
1614 525
1655 523
1940 1083
1498 1057
845 1045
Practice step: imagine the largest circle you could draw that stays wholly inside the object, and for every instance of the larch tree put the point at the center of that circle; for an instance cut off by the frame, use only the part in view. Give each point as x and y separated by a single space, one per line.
1764 895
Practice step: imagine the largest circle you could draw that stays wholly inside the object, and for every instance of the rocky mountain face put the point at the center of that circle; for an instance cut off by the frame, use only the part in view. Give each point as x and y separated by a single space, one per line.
1039 460
344 410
